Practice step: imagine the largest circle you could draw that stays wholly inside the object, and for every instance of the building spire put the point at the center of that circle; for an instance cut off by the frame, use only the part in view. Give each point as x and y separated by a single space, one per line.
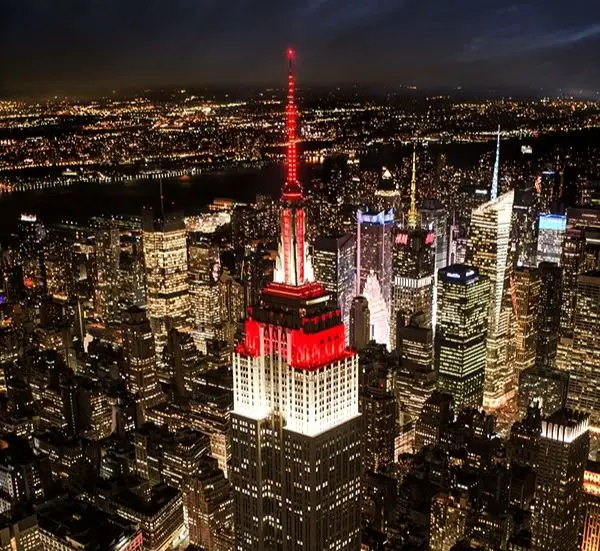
292 190
293 266
412 213
494 192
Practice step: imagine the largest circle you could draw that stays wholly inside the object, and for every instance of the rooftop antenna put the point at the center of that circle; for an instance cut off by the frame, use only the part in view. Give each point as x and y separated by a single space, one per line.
291 188
412 213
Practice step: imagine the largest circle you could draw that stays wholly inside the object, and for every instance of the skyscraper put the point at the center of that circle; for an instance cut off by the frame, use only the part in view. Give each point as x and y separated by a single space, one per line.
374 234
334 261
461 333
106 296
140 359
165 256
581 253
525 297
360 323
584 383
413 268
548 316
523 239
562 453
296 427
488 252
551 237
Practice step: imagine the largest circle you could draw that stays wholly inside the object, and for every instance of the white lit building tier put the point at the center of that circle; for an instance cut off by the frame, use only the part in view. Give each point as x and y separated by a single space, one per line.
311 401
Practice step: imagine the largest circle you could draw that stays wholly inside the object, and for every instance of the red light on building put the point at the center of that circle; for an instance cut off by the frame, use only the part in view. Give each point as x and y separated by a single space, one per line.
28 282
429 238
402 239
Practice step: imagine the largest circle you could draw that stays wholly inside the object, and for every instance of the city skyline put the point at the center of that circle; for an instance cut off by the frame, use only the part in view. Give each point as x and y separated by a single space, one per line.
300 323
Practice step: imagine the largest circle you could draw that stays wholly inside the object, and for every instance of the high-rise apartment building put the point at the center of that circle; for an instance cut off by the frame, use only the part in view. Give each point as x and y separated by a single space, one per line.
563 448
461 332
166 260
296 427
374 235
488 251
334 260
584 382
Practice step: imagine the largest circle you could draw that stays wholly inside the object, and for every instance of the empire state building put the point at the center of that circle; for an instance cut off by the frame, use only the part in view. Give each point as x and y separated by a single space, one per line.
296 428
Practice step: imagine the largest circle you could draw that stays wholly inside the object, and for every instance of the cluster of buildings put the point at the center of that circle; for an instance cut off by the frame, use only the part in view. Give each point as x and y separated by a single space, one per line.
358 365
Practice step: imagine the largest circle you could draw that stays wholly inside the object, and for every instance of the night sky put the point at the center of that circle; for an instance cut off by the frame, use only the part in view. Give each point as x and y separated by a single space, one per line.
75 45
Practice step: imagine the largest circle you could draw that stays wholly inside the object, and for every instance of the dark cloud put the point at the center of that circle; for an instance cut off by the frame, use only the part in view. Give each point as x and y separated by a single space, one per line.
73 44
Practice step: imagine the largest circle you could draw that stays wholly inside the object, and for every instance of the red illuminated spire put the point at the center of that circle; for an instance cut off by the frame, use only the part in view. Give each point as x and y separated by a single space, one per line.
292 190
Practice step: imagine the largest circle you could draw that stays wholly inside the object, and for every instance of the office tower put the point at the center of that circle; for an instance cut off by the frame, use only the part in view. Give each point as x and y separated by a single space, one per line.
32 234
374 235
211 414
549 311
107 253
165 257
334 260
562 454
295 416
581 253
360 323
461 332
132 273
549 187
184 360
434 217
584 386
591 505
413 267
436 415
58 269
415 379
140 359
231 307
545 386
204 269
551 237
488 252
525 298
523 238
209 505
379 409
